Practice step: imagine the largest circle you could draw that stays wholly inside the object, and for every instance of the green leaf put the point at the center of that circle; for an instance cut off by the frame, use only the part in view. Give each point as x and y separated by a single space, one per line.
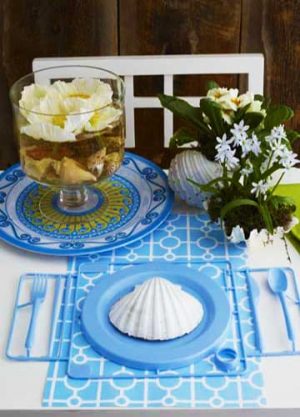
213 111
211 84
264 211
276 115
185 110
292 135
253 119
237 203
239 114
259 97
181 137
203 187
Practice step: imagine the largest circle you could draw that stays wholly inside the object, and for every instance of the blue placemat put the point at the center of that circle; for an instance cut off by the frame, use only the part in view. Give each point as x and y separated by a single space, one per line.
84 362
183 237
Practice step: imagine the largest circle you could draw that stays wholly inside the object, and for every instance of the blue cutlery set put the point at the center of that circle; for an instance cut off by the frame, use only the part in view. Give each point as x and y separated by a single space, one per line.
64 317
56 316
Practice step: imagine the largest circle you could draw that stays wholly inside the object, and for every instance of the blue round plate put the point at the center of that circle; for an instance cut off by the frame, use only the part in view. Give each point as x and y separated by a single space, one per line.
155 355
130 204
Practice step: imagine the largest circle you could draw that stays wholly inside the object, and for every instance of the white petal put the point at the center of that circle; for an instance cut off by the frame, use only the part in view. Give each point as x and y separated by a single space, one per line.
48 132
90 86
245 99
103 119
64 88
76 122
31 95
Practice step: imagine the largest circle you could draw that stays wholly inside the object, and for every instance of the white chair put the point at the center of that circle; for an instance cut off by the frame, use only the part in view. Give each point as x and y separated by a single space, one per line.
168 66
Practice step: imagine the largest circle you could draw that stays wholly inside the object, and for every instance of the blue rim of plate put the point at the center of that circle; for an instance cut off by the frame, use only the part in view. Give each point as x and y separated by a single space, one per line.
155 355
148 172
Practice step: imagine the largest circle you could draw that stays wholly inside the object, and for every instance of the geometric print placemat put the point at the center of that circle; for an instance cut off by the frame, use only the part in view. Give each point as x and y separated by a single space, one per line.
187 238
84 362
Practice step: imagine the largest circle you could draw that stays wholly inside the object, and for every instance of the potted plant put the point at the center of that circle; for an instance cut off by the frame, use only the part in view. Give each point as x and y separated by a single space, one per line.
243 197
218 113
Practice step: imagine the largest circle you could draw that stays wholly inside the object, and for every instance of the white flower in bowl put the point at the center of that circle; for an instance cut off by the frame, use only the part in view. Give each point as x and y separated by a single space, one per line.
103 119
49 132
69 107
32 95
95 93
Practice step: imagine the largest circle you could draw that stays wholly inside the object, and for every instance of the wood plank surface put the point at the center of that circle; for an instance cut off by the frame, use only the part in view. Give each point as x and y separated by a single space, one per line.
31 28
272 27
37 28
175 27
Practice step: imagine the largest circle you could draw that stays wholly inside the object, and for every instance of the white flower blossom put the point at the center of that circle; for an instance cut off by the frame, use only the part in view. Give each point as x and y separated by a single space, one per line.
246 146
227 98
255 145
223 142
255 106
288 159
48 131
277 134
247 170
226 156
64 109
245 99
260 188
239 132
278 148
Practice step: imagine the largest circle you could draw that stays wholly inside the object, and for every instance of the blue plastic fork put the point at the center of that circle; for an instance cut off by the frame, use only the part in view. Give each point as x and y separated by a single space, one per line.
37 295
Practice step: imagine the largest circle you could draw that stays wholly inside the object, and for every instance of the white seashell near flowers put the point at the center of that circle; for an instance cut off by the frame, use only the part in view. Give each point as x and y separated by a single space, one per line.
156 310
192 164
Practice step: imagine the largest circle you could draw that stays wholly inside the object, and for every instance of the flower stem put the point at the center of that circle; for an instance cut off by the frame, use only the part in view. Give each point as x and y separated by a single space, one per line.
276 185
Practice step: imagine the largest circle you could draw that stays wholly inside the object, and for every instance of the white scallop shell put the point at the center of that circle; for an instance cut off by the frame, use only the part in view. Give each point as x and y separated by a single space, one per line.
156 310
192 164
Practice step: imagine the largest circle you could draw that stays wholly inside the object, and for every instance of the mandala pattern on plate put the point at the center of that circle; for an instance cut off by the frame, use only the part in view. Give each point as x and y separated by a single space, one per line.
128 206
117 203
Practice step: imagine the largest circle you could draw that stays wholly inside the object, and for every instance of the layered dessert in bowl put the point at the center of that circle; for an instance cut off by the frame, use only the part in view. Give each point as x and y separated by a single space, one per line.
70 128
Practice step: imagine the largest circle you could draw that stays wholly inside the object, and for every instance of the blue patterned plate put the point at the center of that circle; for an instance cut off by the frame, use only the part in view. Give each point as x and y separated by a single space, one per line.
131 204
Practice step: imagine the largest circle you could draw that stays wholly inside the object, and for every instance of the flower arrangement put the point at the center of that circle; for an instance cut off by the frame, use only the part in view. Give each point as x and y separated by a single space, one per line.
70 132
245 135
62 110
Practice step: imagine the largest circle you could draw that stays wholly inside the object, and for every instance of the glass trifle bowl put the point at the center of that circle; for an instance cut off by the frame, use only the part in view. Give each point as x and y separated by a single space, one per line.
70 126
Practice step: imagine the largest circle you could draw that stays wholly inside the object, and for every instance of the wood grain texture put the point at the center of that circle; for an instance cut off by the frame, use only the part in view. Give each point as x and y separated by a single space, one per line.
281 45
176 27
251 32
272 27
31 28
37 28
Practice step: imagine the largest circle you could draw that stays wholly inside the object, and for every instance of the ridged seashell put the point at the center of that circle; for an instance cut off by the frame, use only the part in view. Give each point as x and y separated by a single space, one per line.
112 162
71 173
193 165
156 310
95 162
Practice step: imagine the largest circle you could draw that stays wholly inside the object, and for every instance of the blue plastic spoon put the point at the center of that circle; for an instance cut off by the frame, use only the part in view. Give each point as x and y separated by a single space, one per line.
278 284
